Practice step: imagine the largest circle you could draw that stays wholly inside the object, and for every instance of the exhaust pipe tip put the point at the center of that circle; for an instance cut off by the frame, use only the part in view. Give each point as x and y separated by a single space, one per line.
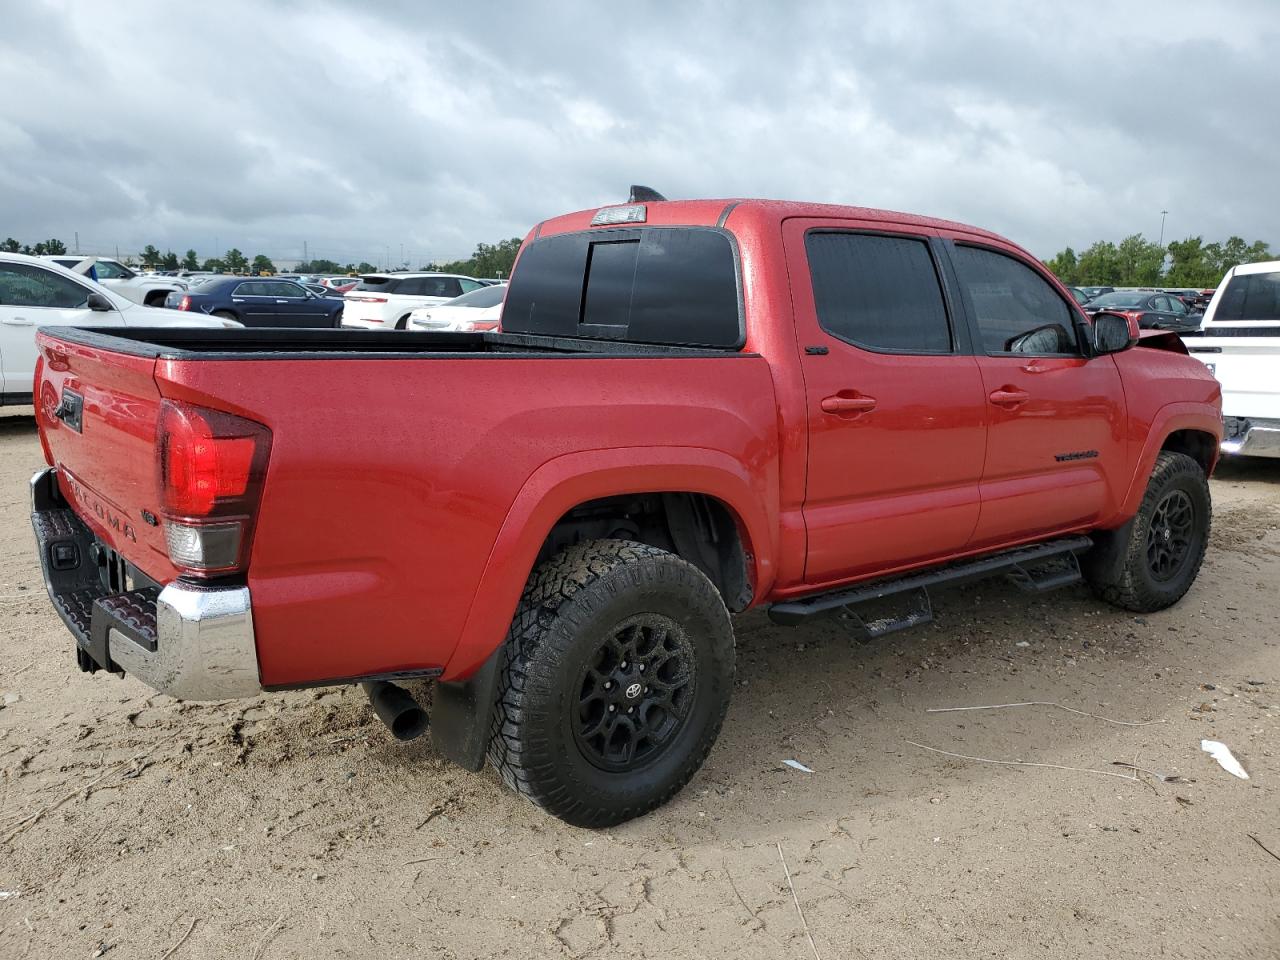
396 708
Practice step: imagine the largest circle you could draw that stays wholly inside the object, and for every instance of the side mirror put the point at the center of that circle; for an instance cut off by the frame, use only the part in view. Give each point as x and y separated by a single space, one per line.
1113 332
98 303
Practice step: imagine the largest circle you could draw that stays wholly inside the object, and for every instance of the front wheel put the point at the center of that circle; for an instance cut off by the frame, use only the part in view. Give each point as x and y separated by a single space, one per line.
616 678
1156 556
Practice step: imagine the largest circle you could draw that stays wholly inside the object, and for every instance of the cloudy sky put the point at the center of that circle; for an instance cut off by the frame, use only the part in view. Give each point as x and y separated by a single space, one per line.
419 129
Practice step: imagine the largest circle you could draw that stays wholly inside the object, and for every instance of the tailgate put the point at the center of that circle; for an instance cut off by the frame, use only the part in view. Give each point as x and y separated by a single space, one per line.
1248 369
106 457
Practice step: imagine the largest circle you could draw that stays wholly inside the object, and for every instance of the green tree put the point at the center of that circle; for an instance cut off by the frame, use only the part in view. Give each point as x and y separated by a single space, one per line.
10 246
364 267
54 247
150 256
320 266
262 264
1064 266
235 261
214 264
1190 265
1141 261
489 260
1100 265
190 261
169 261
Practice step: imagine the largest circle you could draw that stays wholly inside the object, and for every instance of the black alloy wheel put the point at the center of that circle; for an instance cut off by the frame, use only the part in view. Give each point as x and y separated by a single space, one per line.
635 694
1169 535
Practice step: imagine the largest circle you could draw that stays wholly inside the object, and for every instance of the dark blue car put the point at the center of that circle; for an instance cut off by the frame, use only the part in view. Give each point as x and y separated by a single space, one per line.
260 302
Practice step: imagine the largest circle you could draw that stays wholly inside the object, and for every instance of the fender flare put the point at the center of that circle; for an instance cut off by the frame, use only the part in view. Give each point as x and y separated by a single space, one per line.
1179 415
574 478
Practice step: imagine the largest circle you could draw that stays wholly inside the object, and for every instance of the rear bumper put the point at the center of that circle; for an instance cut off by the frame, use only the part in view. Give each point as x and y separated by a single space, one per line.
188 641
366 324
1251 438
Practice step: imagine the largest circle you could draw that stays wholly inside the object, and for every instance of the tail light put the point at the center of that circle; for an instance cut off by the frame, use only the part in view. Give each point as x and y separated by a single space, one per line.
212 466
368 299
184 303
477 326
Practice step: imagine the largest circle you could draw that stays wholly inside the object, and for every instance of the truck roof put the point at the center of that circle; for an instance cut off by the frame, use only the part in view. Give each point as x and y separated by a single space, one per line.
717 213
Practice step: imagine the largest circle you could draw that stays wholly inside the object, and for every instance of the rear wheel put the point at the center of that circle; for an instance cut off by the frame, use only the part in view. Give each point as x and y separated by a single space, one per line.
1163 547
616 678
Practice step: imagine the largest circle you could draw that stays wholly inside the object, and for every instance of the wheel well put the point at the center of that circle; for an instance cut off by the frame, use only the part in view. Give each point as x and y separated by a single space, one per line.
1199 446
154 297
698 528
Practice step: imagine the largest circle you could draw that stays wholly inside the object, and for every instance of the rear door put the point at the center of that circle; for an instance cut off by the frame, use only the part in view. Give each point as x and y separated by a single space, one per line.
896 411
32 296
256 305
1055 452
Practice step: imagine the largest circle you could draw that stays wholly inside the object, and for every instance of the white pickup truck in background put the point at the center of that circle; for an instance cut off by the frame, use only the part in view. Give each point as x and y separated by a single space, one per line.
150 291
1239 341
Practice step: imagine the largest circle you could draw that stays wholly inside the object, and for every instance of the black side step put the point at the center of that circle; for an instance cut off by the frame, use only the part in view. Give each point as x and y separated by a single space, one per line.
1043 566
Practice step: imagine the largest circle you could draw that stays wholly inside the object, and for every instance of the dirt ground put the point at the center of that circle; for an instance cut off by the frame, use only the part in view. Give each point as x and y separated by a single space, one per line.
294 826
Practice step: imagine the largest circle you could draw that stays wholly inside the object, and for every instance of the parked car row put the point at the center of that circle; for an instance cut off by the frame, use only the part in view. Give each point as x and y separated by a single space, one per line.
41 292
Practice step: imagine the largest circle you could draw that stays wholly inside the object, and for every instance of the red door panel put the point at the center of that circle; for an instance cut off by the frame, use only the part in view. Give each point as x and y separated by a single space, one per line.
896 440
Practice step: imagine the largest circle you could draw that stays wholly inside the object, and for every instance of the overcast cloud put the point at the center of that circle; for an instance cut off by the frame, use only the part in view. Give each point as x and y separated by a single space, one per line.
363 127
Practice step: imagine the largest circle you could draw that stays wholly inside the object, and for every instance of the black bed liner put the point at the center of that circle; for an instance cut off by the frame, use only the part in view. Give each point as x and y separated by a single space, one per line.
267 343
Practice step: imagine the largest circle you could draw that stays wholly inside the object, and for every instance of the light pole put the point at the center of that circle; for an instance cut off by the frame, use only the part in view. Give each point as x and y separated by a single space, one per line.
1163 214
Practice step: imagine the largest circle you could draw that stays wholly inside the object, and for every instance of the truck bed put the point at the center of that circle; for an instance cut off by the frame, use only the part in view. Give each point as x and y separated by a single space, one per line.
273 343
398 468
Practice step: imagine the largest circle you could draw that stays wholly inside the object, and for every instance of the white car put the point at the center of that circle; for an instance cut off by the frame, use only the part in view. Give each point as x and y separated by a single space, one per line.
478 310
1239 341
383 301
149 290
35 292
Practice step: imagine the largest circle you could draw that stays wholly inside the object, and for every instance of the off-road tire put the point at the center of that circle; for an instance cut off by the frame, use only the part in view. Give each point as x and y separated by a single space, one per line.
1130 582
572 603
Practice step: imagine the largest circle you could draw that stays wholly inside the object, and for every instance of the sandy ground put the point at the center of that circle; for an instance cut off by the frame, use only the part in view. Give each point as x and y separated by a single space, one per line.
294 826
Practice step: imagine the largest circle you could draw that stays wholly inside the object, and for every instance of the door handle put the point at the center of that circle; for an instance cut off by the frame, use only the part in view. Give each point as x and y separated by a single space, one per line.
1009 397
839 404
17 322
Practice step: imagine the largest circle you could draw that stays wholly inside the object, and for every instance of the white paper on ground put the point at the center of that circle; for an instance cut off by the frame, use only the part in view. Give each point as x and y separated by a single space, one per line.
1226 760
797 765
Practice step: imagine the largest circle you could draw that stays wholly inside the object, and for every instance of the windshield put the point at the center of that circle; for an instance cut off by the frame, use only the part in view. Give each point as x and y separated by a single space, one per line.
1121 298
484 297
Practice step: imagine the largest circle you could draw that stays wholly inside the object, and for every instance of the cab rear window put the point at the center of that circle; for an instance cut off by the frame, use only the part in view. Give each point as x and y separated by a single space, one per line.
664 285
1250 296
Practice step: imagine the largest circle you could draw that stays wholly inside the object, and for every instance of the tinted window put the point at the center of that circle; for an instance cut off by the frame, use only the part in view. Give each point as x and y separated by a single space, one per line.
878 292
106 270
253 289
283 288
1250 296
684 287
469 285
379 284
441 287
22 285
1016 309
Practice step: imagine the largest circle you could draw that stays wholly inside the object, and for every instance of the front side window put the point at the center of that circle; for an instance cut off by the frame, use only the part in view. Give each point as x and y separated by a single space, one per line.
878 292
107 270
1016 309
22 285
283 288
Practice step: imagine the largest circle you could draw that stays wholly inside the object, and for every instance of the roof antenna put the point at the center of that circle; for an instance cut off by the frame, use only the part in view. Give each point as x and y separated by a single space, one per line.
641 194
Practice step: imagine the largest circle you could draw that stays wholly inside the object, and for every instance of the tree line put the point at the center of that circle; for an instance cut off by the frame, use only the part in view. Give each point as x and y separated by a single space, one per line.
1138 262
488 260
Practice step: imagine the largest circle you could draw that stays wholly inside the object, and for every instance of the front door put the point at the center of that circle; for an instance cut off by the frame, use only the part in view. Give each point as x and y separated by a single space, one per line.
32 296
295 306
1055 441
896 411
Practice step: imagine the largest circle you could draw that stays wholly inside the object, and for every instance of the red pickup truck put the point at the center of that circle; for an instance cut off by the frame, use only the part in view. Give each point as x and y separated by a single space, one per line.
691 409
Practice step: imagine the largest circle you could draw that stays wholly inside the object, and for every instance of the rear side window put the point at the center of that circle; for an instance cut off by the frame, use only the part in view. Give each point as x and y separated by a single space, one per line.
676 285
878 292
1016 309
1250 296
